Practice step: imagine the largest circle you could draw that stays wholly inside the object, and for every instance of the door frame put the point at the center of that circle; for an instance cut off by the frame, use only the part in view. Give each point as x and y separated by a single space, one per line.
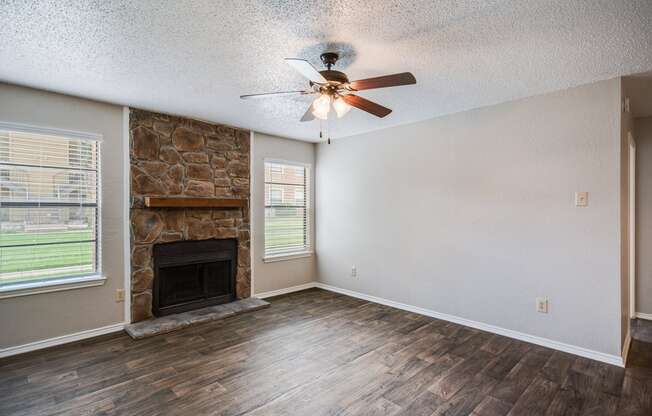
632 225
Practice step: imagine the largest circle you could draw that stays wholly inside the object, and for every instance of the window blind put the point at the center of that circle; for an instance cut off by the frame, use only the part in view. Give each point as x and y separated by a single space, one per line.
49 210
287 208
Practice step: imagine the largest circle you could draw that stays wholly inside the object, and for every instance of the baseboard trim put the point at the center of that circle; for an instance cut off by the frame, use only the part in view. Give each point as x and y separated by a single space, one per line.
64 339
544 342
286 290
626 345
646 316
571 349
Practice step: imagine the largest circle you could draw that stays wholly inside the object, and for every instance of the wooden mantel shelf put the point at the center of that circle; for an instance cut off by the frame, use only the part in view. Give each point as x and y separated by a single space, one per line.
182 202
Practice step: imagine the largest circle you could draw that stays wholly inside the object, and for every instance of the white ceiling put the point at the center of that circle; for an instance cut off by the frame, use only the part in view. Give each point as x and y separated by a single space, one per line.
195 58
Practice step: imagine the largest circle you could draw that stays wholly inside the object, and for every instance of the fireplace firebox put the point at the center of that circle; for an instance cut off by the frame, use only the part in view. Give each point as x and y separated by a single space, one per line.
193 274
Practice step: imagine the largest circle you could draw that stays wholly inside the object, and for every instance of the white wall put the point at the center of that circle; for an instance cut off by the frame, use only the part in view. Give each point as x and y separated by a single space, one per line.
473 215
643 136
277 275
38 317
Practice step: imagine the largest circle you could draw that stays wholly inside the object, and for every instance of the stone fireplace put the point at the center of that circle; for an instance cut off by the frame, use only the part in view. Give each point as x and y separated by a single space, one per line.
173 156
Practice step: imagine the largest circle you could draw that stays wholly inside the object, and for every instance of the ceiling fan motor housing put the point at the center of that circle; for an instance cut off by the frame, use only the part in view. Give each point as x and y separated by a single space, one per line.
335 76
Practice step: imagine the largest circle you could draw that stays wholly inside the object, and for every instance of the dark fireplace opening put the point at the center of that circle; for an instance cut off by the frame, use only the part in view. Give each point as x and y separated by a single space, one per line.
193 274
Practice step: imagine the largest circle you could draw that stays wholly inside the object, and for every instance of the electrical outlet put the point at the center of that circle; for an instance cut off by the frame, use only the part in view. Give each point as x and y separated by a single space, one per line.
581 199
542 305
354 271
120 295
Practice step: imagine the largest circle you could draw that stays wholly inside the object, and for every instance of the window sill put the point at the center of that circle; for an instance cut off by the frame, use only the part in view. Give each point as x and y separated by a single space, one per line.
55 285
288 256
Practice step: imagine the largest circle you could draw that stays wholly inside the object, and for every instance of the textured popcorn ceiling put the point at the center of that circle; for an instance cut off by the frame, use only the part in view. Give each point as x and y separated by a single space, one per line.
195 58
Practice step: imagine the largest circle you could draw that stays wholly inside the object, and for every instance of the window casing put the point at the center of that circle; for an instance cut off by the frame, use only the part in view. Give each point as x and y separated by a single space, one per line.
49 208
287 209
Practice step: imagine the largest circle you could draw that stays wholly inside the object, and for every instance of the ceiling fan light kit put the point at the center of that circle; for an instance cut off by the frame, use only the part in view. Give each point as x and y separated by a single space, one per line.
341 107
335 90
321 107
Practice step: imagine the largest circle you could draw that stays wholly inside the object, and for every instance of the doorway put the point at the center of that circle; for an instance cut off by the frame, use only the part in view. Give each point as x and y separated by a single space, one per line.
632 225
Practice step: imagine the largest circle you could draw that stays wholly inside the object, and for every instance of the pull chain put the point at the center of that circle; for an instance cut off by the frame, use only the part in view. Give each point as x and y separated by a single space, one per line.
328 131
328 128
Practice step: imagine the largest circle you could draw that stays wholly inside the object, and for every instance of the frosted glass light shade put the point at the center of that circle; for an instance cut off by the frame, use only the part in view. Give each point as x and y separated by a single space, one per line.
341 107
321 106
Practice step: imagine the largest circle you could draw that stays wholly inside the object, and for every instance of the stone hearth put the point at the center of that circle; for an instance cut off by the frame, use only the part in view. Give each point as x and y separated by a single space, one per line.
165 324
176 157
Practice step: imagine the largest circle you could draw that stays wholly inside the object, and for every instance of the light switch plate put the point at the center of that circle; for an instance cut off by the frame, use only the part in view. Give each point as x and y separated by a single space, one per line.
581 199
542 305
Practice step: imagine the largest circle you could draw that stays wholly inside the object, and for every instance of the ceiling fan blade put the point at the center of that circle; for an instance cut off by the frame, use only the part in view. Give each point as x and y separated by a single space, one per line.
306 69
308 116
276 94
366 105
395 80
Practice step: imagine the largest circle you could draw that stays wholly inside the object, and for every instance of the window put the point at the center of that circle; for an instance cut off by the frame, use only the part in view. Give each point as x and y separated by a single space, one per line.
49 210
287 209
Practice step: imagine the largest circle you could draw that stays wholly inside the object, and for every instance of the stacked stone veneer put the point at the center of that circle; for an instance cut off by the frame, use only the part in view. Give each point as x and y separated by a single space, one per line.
178 157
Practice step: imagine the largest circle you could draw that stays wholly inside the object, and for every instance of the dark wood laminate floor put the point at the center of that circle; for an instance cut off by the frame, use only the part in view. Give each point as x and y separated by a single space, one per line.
319 353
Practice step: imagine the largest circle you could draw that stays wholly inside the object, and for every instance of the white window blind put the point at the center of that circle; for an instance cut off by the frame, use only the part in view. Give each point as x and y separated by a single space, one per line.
287 208
49 210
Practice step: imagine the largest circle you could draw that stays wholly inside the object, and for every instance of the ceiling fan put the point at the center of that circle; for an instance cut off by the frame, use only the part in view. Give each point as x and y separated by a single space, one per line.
335 89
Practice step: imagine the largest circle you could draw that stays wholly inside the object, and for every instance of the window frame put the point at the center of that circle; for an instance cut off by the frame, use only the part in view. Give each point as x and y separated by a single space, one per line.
307 250
96 278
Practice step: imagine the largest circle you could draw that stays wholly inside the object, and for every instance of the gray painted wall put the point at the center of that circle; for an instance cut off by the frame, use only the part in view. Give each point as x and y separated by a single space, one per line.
36 317
287 273
643 137
473 215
